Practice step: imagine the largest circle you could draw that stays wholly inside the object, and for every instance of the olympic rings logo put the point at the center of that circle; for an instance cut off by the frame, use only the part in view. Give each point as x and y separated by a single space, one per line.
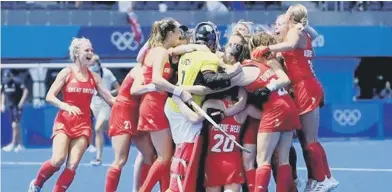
347 117
126 40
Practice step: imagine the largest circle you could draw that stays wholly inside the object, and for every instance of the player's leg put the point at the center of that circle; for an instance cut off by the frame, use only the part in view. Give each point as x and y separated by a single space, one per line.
16 138
190 181
121 145
284 179
163 145
60 150
248 161
77 147
293 164
101 123
137 169
234 187
314 152
266 144
147 156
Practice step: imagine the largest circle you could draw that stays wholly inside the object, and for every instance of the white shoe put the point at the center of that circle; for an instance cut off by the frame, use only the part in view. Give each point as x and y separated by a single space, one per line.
332 183
33 188
19 148
8 148
310 185
322 186
96 162
91 149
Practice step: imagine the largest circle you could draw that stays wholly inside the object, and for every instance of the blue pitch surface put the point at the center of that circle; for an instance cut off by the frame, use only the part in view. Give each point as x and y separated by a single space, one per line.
359 165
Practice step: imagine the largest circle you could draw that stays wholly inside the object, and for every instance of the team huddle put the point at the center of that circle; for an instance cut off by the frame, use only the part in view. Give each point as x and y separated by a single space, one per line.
202 117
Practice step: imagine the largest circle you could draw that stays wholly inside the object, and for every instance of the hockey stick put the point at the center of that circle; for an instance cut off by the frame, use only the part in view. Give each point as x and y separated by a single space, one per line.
218 127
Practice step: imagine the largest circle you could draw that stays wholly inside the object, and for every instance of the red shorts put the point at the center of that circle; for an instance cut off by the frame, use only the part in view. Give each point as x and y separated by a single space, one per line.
74 126
250 136
308 95
178 168
282 118
223 169
123 119
152 116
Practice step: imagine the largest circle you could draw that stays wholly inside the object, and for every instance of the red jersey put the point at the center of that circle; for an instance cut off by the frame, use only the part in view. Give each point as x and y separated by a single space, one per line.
266 76
299 62
125 111
219 143
124 93
153 103
77 93
279 112
224 160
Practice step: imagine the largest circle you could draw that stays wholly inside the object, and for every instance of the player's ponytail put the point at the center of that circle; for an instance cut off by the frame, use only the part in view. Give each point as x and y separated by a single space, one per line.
160 30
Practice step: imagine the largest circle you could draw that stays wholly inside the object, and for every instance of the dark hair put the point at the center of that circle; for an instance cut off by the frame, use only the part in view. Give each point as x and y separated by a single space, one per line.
245 53
159 31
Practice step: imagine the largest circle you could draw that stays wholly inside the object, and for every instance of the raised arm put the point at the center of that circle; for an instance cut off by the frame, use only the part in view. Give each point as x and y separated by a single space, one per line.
181 49
291 42
240 105
311 31
101 89
161 58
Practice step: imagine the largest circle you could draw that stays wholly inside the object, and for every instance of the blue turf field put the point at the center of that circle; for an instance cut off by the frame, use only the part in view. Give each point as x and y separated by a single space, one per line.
359 165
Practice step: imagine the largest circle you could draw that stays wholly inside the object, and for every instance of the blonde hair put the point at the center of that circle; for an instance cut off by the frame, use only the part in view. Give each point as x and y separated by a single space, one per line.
160 31
299 14
247 24
74 48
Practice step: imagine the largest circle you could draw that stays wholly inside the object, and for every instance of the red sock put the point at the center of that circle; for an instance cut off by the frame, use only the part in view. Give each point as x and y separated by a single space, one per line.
165 180
45 172
190 181
263 176
64 181
112 179
316 161
284 179
250 179
154 175
327 172
144 172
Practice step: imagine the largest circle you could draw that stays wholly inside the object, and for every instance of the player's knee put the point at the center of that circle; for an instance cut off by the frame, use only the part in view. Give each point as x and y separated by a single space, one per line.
262 159
119 162
165 158
149 158
57 161
248 161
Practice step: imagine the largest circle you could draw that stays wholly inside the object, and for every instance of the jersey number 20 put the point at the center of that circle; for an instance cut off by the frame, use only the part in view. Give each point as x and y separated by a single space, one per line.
224 144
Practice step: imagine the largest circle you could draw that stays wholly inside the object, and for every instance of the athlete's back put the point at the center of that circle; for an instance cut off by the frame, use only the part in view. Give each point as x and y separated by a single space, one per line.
190 69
